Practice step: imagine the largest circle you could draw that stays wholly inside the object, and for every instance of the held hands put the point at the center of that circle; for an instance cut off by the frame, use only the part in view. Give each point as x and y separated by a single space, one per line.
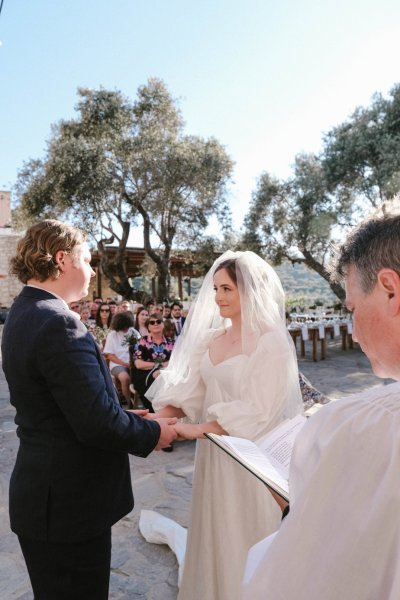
168 433
167 424
140 412
188 431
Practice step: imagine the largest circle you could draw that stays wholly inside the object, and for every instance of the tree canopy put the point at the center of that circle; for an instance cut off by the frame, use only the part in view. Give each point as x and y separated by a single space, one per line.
121 164
358 168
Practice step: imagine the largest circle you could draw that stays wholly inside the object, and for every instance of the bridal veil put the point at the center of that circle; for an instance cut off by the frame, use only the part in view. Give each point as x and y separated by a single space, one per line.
262 311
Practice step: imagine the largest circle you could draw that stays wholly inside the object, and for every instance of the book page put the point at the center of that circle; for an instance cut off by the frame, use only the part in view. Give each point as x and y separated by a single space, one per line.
257 460
278 444
271 456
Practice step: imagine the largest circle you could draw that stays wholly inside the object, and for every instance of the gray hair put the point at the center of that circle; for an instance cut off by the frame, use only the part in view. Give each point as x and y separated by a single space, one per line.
372 246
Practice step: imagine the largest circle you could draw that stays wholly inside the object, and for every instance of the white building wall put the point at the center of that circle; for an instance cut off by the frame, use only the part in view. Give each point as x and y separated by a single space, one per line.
9 285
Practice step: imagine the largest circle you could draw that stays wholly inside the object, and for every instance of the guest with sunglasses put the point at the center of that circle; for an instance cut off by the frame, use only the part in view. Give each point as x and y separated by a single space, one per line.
103 323
150 354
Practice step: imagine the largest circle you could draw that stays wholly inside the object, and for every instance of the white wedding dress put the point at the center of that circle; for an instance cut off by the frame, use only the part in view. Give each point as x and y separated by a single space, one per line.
231 509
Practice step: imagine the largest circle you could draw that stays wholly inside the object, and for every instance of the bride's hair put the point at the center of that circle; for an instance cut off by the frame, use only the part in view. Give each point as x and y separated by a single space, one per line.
230 267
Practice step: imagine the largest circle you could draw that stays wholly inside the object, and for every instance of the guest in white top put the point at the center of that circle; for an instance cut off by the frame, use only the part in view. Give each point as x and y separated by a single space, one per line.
341 539
117 349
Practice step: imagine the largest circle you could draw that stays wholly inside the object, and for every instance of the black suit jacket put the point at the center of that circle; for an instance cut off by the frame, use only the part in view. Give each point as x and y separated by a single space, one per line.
182 320
71 480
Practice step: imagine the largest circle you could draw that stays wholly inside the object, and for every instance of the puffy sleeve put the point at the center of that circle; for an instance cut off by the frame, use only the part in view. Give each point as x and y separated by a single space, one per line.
269 385
187 394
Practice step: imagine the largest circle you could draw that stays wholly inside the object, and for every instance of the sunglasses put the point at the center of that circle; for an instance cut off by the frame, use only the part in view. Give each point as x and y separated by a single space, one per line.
155 322
104 310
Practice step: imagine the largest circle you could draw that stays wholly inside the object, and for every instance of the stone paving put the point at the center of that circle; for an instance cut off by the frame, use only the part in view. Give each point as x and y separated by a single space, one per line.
161 482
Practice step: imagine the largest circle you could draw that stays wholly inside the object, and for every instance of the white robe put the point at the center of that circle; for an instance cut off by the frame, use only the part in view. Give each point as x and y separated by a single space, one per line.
341 540
231 509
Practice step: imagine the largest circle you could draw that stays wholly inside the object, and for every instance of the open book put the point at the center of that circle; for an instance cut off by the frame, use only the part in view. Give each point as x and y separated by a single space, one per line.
269 459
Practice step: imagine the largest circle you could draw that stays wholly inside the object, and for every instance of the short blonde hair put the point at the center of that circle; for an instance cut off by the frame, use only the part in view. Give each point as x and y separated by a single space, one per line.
35 258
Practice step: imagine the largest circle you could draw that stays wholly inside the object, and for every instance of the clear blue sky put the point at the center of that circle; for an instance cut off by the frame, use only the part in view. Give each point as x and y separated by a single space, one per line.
266 78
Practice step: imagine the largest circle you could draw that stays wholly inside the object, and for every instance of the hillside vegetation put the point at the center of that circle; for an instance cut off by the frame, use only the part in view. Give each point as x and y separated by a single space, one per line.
303 286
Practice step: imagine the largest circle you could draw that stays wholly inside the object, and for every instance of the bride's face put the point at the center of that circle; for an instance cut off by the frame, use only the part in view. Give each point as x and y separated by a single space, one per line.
226 295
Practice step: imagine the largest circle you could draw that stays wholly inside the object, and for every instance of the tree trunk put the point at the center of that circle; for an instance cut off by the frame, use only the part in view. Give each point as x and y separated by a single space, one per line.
336 288
113 267
164 279
162 261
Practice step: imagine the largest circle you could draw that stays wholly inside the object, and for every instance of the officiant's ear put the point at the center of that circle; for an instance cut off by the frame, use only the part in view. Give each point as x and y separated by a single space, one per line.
389 282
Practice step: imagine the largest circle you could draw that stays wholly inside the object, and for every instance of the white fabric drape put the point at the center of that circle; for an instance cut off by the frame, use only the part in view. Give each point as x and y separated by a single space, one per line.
342 536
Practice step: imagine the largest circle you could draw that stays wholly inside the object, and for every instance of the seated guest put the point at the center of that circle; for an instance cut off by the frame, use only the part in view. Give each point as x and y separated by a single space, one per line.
176 314
150 354
75 307
150 306
116 349
166 312
93 310
141 319
103 323
169 330
113 305
124 306
310 394
85 316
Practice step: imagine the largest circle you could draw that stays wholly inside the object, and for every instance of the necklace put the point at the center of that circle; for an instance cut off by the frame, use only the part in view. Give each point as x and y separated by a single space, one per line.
233 341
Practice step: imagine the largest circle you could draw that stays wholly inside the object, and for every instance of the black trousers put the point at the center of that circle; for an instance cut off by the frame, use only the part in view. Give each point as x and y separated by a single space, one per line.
77 571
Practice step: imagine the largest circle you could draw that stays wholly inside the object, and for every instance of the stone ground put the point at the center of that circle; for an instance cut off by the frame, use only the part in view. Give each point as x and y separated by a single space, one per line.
161 482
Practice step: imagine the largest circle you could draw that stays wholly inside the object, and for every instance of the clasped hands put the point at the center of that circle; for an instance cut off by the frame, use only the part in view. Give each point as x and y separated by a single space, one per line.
171 429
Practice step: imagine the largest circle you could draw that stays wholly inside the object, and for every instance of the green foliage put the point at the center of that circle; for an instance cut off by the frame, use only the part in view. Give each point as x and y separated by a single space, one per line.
327 194
120 164
363 154
294 215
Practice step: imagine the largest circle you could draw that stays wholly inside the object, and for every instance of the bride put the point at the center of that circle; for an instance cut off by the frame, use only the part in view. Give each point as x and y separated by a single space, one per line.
233 371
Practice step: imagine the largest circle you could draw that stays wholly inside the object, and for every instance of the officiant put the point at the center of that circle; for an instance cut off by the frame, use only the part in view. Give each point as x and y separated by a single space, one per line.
341 538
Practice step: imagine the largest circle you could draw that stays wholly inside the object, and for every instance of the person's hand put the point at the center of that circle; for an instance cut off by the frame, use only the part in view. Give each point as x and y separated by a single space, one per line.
188 431
168 433
140 412
151 415
156 374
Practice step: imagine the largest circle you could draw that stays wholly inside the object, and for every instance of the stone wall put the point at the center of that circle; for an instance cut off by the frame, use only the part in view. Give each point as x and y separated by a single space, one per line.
9 285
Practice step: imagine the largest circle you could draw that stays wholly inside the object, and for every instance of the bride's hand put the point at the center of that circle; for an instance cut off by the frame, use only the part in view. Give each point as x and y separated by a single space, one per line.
188 431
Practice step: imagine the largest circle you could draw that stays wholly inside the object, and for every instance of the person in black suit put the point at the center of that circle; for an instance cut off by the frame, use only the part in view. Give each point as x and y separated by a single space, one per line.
71 481
176 316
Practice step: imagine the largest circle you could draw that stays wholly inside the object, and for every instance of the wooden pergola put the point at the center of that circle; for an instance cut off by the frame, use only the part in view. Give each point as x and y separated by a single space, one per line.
181 268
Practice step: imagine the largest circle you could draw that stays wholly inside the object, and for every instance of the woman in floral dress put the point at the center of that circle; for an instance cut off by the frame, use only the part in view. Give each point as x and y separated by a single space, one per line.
150 355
